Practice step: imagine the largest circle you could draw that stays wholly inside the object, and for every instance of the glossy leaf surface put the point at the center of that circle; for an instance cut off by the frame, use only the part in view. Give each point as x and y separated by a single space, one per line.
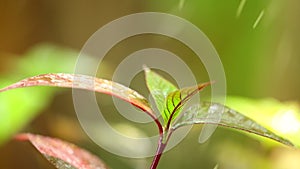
61 154
213 113
281 117
87 83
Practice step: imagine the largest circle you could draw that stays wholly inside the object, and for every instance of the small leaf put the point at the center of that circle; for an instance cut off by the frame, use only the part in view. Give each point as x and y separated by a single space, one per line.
168 99
87 83
213 113
176 100
61 154
159 89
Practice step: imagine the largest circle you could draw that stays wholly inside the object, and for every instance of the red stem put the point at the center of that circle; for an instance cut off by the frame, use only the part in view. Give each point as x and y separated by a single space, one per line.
161 147
159 152
157 122
160 128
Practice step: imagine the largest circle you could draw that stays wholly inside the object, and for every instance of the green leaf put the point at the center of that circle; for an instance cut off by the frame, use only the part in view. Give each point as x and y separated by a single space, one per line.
159 89
168 99
280 117
176 100
213 113
61 154
87 83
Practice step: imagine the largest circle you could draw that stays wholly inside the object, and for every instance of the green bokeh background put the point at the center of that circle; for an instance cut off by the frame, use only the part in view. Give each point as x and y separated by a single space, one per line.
261 63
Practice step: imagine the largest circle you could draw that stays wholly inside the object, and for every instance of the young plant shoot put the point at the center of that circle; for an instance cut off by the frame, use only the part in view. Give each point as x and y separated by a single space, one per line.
169 101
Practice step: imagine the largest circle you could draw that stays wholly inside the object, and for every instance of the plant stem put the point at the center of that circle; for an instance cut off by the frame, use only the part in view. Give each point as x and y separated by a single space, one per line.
159 152
162 143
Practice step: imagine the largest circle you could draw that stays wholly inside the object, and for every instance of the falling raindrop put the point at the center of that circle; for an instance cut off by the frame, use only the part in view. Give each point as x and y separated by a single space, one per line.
240 8
180 5
217 166
258 19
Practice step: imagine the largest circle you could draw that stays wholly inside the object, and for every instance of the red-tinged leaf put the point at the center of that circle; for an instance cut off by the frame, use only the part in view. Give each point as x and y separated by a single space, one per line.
176 100
87 83
61 154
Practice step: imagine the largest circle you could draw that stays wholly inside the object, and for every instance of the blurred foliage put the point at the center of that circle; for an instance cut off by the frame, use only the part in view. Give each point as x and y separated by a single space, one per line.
254 58
19 107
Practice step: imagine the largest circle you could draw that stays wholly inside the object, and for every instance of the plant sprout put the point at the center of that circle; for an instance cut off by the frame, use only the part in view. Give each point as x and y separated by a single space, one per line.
168 99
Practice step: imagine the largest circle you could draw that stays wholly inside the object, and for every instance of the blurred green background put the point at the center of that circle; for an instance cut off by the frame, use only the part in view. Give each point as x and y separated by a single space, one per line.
258 43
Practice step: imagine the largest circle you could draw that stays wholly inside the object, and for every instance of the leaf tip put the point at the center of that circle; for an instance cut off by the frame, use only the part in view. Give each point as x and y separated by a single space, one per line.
22 137
146 68
4 89
212 82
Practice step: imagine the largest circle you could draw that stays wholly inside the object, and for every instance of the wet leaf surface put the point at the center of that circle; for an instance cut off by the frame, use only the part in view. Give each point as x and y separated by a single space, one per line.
61 154
213 113
86 83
